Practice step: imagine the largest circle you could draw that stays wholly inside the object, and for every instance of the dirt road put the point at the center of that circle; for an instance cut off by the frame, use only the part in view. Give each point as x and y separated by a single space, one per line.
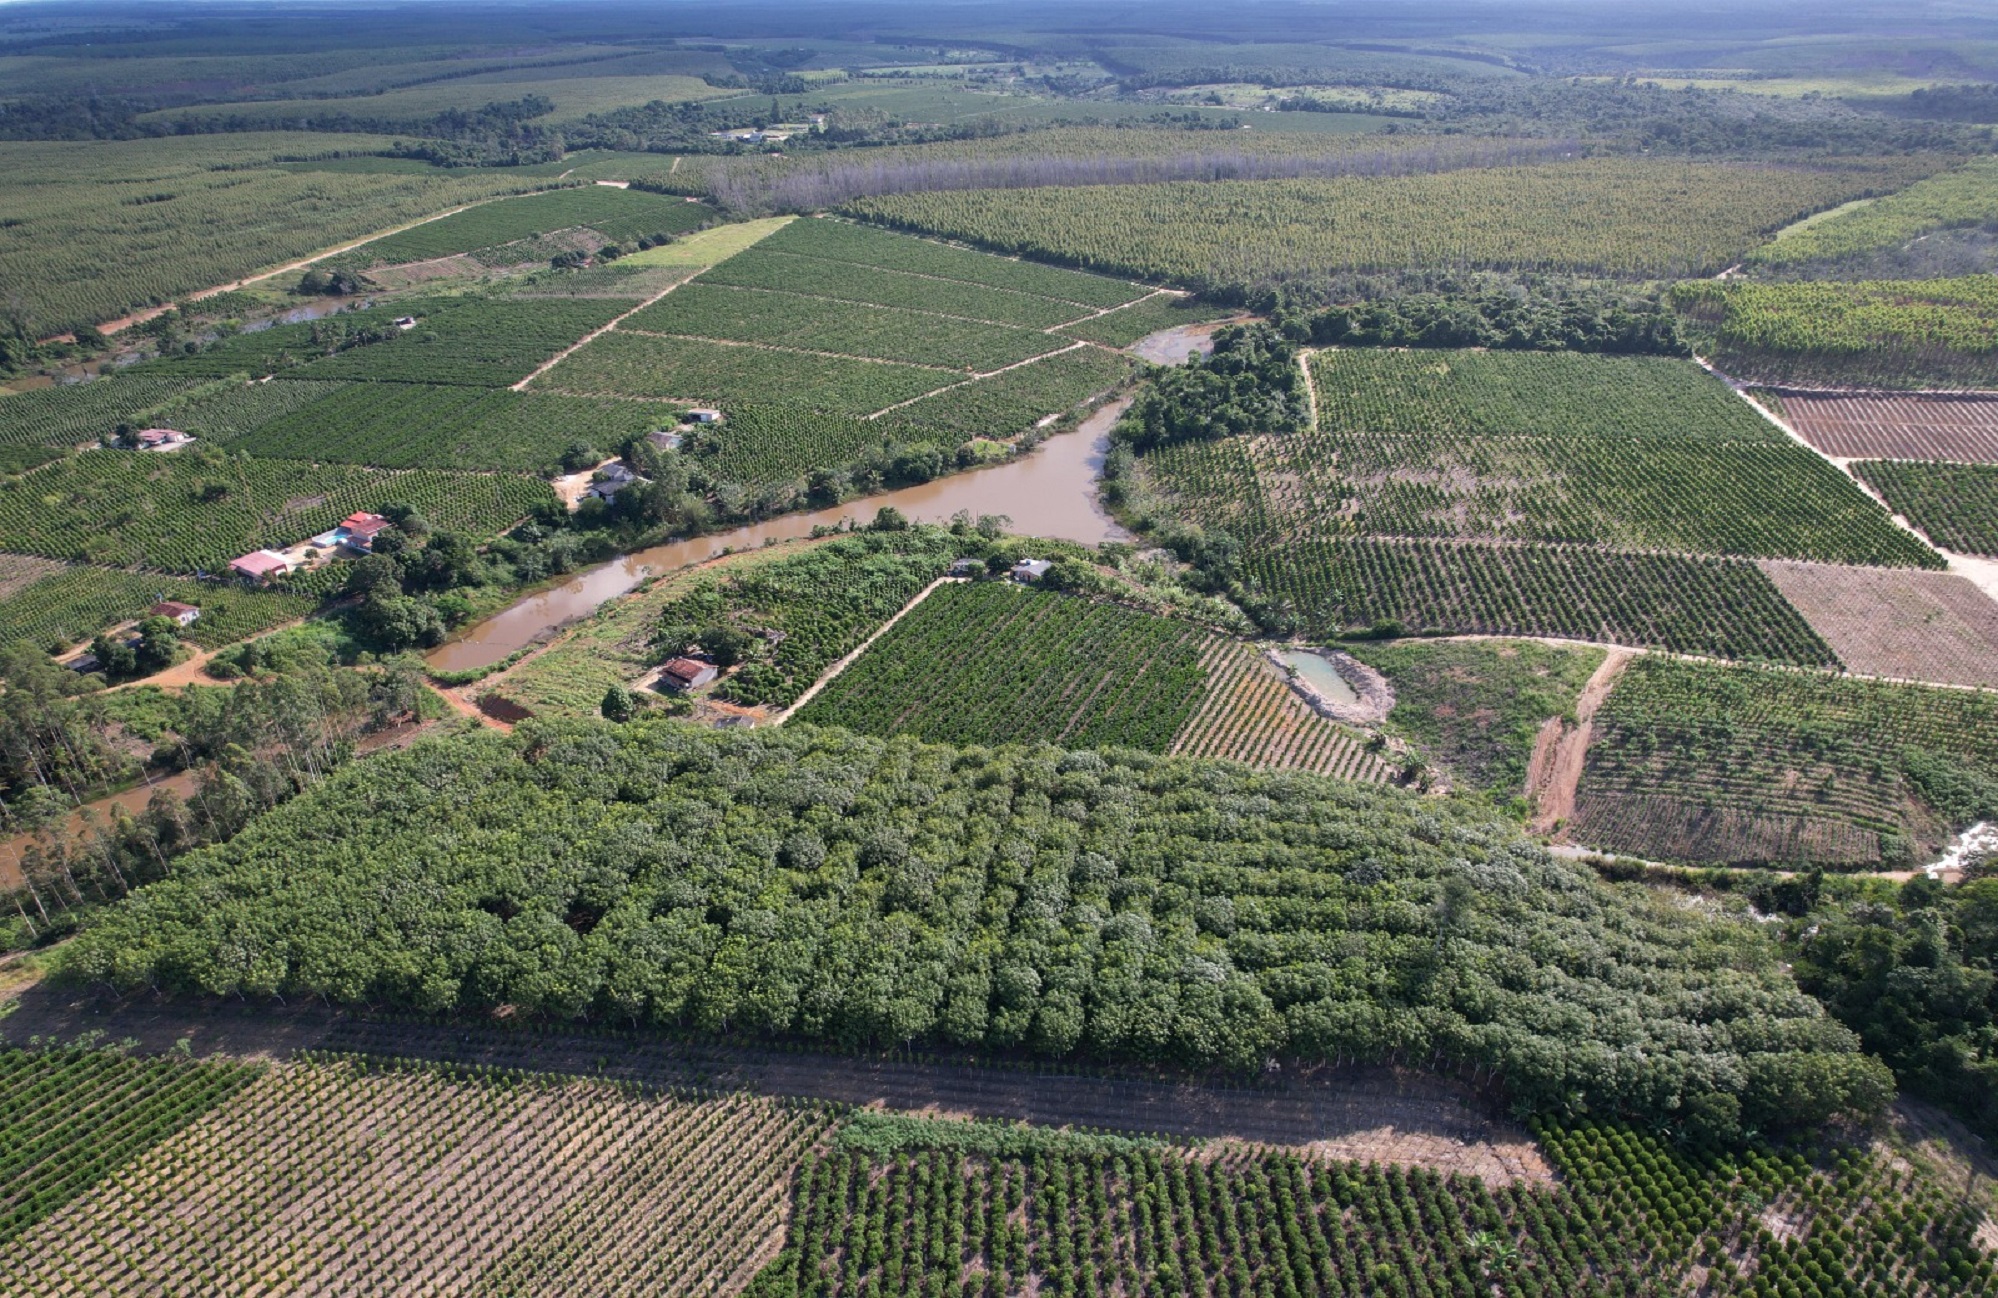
1359 1113
1560 749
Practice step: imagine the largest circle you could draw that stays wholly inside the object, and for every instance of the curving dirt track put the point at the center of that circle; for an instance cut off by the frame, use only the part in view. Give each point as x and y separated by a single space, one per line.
1555 770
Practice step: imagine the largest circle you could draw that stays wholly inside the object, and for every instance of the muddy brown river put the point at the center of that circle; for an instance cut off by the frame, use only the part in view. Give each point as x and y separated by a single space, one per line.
1051 491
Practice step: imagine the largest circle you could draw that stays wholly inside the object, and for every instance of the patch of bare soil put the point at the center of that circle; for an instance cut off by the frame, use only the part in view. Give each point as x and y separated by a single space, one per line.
1950 1152
1387 1114
1555 770
19 571
1901 623
1897 426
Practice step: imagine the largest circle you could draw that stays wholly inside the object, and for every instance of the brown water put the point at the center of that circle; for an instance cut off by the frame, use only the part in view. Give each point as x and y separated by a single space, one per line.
1049 492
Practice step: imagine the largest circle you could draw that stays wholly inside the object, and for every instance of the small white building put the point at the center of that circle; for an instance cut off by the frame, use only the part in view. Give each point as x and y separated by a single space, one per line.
704 416
682 674
1031 569
183 614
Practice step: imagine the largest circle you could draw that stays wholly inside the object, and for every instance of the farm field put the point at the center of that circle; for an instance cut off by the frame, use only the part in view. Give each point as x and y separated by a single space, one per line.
1893 426
1127 324
994 663
1964 197
347 1174
480 343
859 245
283 347
1007 404
1929 626
1248 713
184 513
574 97
841 281
1723 607
1611 216
1874 333
80 413
407 425
1625 452
1475 707
622 363
1739 764
620 215
1955 505
86 237
70 604
789 320
74 1116
936 1206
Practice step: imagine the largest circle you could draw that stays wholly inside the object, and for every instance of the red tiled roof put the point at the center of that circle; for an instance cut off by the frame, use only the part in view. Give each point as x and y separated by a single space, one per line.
366 526
170 608
686 669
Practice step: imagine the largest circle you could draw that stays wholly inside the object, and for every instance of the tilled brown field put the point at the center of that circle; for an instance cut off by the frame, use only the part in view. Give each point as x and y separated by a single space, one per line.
1362 1113
1921 626
1897 427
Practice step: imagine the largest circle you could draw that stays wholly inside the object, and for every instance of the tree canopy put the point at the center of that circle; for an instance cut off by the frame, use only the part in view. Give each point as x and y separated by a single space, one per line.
815 884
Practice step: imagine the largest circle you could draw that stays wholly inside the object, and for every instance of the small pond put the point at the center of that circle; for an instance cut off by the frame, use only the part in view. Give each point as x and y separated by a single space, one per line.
1321 675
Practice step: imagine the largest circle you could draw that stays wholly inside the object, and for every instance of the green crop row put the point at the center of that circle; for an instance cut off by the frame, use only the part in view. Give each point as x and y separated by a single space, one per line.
618 213
848 328
1965 198
1612 216
1633 1218
860 245
76 413
68 1118
190 512
850 282
1126 325
1955 505
478 343
635 365
1005 405
991 663
1633 453
1893 333
406 425
1723 607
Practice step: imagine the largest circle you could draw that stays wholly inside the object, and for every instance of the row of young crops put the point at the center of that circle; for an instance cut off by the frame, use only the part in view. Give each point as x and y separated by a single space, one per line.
190 512
82 412
816 324
992 663
345 1175
1016 1211
1887 333
860 245
1955 505
409 425
629 364
69 1117
618 214
1247 713
1788 747
1963 198
843 281
1625 216
1629 452
1723 607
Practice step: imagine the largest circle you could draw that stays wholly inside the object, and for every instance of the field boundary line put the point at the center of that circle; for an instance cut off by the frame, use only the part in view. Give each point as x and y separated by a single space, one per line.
1304 355
591 337
795 351
974 378
1085 319
826 678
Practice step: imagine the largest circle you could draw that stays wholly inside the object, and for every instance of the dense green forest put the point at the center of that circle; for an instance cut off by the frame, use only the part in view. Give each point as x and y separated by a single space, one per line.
858 892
